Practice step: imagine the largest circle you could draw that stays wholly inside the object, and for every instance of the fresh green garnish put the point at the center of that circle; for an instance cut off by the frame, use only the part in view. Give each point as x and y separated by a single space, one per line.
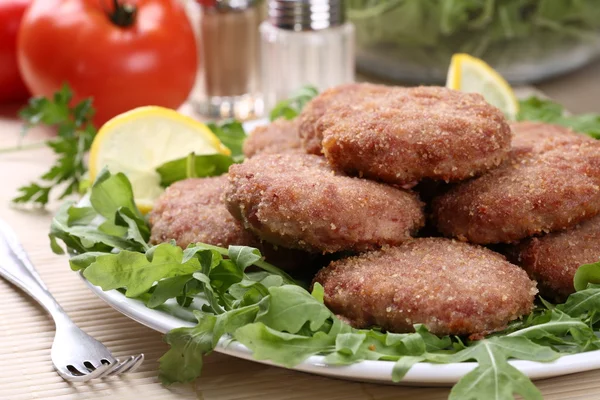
232 135
290 108
75 133
280 321
536 109
428 32
194 166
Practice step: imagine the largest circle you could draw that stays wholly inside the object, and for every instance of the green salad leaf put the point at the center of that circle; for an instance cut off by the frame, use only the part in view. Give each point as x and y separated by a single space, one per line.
536 109
494 377
290 108
587 274
232 135
426 33
194 166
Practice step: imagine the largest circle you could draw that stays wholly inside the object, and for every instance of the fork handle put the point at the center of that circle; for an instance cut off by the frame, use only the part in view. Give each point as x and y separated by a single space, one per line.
16 267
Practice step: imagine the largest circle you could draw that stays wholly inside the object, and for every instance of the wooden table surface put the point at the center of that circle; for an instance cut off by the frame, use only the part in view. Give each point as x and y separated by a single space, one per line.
26 332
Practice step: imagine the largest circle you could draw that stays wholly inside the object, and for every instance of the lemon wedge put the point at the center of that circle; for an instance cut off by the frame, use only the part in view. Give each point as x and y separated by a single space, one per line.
473 75
140 140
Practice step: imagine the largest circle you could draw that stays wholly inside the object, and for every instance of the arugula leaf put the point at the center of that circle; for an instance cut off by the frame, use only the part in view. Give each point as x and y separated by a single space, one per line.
283 348
553 324
536 109
290 108
75 133
232 135
194 166
582 302
183 362
290 308
231 321
84 238
136 272
494 377
585 275
244 256
111 192
168 288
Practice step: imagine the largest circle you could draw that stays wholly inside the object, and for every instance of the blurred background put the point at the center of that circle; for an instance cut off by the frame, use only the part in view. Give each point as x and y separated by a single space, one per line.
238 58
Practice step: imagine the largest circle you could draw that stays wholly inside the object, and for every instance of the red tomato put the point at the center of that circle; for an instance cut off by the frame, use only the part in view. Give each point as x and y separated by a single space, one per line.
124 54
11 84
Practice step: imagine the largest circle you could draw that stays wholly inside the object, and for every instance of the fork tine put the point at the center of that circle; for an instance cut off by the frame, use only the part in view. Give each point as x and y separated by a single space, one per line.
134 365
116 365
122 364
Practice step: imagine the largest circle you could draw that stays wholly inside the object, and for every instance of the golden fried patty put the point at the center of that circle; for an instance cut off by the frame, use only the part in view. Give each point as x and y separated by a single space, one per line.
297 201
279 136
451 287
310 137
193 210
553 259
550 182
407 134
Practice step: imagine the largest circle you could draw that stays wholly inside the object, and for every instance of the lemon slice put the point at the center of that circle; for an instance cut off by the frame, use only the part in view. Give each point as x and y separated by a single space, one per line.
140 140
472 75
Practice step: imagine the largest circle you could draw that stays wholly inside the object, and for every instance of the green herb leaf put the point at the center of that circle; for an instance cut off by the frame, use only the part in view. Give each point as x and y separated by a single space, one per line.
203 166
136 272
290 108
290 308
112 192
85 238
585 275
494 377
183 362
75 133
535 109
232 135
580 303
280 347
168 288
82 261
244 256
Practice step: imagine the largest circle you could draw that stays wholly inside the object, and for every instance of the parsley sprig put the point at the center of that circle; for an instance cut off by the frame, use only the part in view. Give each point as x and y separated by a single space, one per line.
75 133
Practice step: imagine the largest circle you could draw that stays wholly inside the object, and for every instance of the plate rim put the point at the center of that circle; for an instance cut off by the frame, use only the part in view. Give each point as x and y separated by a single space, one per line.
422 373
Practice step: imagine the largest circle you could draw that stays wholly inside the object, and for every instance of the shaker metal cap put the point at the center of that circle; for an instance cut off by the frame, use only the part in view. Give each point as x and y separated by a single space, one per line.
306 15
228 5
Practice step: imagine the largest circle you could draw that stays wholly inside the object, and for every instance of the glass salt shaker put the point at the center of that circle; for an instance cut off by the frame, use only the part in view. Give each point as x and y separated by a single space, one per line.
305 42
227 84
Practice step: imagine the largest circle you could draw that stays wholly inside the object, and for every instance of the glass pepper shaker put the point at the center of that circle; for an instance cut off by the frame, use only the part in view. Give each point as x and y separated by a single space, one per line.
305 42
227 84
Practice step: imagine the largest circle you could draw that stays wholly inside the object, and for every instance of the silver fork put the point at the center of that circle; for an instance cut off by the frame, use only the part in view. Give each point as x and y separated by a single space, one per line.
76 355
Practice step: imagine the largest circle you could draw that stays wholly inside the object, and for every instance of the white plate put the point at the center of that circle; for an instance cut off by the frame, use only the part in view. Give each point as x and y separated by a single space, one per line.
423 374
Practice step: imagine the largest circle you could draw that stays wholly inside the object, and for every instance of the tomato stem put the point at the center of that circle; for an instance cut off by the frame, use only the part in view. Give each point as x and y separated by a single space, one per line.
123 14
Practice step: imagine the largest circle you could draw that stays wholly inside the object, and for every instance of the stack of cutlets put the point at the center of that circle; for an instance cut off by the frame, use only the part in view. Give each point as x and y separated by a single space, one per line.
340 180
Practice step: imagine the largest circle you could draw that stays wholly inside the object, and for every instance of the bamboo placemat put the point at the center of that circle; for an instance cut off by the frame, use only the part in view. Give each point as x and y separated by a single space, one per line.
26 332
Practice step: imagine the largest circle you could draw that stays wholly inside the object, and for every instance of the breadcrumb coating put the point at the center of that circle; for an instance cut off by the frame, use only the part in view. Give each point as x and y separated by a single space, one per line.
451 287
296 200
309 135
405 135
193 210
279 136
550 182
553 259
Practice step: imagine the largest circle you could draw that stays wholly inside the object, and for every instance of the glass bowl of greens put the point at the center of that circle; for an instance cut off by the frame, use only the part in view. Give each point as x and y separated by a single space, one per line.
524 40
